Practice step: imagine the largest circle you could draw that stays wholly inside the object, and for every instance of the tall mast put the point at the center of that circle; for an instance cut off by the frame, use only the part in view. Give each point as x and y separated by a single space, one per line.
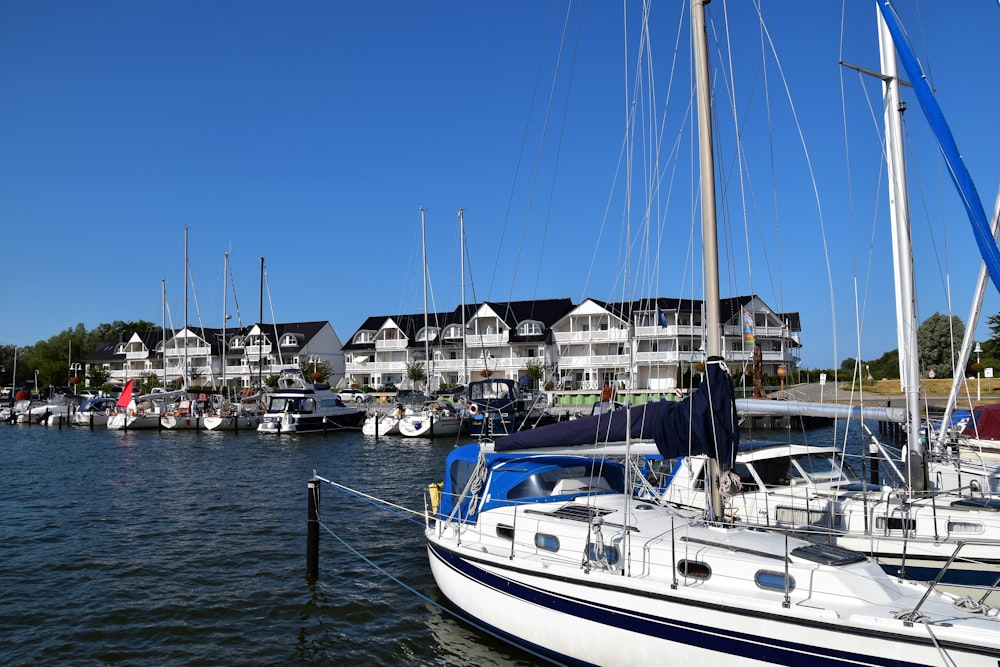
710 241
225 273
427 357
902 257
461 241
186 369
260 329
163 326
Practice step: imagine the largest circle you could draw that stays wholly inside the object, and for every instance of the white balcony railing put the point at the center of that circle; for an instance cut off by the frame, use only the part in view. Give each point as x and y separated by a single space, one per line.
685 331
485 340
605 336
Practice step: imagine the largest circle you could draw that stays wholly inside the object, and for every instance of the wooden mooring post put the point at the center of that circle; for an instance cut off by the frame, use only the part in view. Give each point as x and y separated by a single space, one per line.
312 531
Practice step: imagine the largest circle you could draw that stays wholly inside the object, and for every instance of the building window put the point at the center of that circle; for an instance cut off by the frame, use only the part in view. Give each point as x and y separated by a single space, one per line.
529 328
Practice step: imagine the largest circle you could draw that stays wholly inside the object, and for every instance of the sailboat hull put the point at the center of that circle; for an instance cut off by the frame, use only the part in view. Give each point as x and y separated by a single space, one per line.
594 617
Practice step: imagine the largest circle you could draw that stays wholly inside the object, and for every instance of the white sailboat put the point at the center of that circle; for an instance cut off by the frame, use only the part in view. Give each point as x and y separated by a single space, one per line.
542 538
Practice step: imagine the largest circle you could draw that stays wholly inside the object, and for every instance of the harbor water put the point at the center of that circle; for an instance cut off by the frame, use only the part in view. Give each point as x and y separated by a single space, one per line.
186 547
181 547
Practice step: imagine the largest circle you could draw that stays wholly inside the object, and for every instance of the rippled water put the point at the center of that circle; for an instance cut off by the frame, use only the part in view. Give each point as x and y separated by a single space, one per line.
189 548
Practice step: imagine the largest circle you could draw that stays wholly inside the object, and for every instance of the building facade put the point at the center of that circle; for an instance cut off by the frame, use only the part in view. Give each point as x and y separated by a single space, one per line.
238 358
646 345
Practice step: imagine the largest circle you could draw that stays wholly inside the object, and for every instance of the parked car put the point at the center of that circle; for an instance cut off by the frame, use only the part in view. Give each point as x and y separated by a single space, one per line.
87 394
355 395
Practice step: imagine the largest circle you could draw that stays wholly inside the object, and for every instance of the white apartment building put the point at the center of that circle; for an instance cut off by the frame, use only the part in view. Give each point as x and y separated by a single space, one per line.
642 346
237 358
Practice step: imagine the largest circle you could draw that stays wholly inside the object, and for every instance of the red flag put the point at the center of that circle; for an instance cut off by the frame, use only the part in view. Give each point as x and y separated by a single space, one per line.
126 396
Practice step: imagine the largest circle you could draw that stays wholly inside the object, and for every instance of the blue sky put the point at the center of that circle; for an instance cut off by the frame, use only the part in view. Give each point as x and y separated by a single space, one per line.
312 133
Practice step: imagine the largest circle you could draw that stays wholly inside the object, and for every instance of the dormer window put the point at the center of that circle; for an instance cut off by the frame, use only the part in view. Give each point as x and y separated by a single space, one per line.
530 328
289 340
452 331
427 334
236 342
121 348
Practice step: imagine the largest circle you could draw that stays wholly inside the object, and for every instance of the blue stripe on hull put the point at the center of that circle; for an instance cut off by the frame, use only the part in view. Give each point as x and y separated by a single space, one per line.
720 639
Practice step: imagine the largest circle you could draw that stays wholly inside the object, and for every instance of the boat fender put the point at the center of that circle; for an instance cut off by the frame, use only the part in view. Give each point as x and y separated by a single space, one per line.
131 412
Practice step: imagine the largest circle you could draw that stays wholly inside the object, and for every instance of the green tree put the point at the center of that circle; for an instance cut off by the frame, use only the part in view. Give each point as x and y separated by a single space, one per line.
323 368
535 369
415 371
939 339
886 366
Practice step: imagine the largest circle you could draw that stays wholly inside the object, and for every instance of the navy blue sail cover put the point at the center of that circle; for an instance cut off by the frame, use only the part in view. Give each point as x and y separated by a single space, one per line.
704 423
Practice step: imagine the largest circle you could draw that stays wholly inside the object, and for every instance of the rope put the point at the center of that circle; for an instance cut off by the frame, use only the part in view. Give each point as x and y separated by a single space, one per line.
398 509
973 606
414 591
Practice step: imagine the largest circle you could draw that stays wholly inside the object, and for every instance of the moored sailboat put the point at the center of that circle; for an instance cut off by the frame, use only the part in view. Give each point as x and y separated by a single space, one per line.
542 537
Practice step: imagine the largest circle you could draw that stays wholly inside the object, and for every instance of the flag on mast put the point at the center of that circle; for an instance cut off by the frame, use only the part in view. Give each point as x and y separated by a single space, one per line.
126 396
748 337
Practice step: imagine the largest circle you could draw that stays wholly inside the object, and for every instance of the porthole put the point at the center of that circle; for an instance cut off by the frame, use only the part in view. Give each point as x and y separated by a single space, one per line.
546 542
966 527
773 581
694 569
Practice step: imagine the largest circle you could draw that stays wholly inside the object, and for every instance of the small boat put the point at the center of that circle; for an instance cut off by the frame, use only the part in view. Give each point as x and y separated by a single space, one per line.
495 407
94 412
379 423
141 412
189 414
242 415
300 407
434 418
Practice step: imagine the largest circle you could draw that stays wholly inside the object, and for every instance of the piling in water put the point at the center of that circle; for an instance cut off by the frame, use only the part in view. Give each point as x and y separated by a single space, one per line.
312 531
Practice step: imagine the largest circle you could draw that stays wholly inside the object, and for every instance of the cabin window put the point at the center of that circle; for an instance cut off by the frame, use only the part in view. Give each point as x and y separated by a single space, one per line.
308 406
505 532
965 527
799 517
610 556
774 581
746 477
546 542
895 523
694 569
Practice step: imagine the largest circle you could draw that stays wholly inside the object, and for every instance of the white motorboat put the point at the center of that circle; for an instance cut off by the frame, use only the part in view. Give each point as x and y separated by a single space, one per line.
300 407
94 413
432 419
378 423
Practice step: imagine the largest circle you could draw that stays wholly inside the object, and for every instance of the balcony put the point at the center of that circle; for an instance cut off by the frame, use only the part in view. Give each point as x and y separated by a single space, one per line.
394 344
598 336
140 354
671 331
595 361
192 351
486 340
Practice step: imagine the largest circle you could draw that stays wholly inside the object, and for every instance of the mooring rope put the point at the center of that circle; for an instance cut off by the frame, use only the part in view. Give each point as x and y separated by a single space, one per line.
381 570
378 502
